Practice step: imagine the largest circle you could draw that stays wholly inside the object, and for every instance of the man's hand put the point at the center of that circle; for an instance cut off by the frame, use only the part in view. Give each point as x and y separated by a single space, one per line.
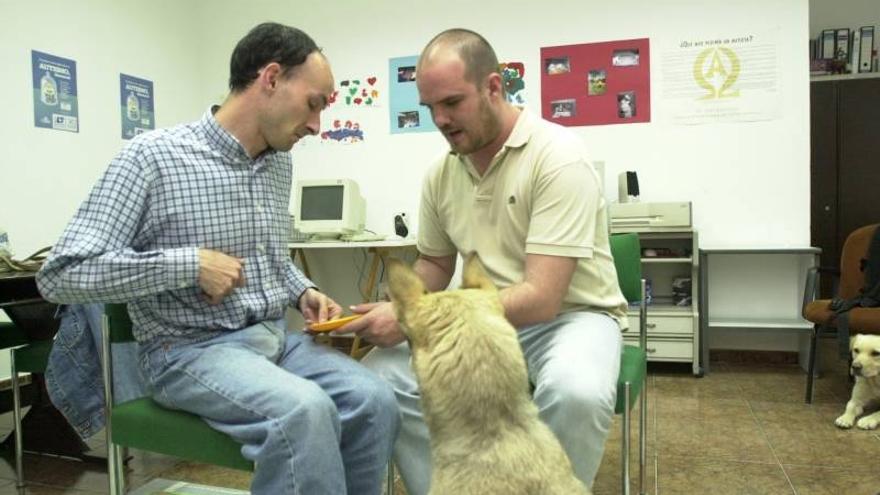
378 324
219 274
317 307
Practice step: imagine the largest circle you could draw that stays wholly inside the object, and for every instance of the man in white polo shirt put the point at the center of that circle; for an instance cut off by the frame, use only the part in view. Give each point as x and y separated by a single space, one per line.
520 192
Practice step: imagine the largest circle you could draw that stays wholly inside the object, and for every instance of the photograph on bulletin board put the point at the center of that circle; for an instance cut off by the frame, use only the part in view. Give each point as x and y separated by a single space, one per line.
596 83
405 113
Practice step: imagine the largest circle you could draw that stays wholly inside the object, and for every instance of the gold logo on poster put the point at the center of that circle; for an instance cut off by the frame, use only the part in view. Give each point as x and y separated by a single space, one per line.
716 69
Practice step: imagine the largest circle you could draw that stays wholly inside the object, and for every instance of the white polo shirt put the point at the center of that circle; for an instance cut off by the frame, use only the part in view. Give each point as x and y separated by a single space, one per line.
540 195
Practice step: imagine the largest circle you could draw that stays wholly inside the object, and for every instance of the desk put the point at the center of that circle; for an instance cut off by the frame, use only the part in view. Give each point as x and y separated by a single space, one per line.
748 286
44 428
378 252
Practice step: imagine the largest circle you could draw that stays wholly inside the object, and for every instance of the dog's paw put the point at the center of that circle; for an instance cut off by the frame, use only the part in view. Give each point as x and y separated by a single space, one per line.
844 421
868 422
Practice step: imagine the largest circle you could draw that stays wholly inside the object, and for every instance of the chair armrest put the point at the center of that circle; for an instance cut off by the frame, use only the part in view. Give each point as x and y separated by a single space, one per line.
810 288
829 270
812 283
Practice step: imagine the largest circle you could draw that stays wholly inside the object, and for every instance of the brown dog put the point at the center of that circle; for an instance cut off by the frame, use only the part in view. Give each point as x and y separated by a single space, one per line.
486 437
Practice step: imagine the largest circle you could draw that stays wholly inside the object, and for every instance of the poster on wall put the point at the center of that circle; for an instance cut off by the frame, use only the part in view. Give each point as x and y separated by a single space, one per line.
343 132
54 85
405 113
361 92
597 83
714 79
512 74
136 101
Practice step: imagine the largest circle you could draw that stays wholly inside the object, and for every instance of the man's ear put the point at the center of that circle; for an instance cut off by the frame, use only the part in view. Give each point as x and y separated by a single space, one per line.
495 83
474 275
404 284
269 75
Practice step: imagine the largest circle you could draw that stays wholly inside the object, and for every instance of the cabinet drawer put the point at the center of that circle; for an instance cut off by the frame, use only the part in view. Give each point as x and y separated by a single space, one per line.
683 324
660 349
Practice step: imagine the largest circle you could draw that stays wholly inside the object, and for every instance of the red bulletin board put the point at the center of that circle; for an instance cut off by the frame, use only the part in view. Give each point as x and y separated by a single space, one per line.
622 95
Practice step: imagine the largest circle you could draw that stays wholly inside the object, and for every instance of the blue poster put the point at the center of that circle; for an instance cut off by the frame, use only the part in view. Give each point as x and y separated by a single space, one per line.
55 105
404 109
136 105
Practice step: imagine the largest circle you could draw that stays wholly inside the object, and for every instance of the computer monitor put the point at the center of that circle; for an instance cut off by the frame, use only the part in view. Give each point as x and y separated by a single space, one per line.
329 208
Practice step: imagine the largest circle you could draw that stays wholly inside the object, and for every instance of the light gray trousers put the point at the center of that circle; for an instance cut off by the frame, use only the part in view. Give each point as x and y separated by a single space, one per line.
573 365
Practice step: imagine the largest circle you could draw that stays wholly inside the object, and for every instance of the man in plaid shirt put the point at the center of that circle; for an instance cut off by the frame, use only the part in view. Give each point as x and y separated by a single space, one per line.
189 226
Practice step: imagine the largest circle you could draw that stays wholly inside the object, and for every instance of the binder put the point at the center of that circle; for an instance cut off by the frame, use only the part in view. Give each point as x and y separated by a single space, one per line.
856 50
841 45
828 36
866 47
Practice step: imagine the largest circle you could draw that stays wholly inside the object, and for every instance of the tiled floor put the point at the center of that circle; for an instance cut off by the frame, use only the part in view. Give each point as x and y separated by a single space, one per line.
742 429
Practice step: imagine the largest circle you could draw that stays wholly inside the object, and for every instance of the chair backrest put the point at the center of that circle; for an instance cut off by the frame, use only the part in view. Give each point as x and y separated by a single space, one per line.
119 323
854 249
627 252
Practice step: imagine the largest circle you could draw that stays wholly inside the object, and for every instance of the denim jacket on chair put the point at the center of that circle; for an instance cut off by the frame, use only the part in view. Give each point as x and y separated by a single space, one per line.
74 377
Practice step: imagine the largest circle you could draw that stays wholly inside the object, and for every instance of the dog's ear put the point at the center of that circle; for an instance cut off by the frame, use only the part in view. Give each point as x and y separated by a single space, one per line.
404 284
474 275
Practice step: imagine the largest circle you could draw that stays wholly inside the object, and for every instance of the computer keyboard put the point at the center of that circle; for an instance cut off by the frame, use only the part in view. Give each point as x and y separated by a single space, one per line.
363 237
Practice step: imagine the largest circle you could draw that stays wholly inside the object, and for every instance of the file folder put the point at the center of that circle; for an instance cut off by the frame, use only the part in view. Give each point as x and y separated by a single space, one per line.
841 45
866 47
827 48
856 51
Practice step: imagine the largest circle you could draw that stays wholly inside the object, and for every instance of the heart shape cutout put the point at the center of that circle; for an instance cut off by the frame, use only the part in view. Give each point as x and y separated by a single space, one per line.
371 80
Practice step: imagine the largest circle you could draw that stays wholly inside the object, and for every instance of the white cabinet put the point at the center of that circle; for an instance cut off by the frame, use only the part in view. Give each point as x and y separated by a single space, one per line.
670 267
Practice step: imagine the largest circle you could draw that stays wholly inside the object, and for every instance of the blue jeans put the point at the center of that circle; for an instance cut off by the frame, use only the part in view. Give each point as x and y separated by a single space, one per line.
313 420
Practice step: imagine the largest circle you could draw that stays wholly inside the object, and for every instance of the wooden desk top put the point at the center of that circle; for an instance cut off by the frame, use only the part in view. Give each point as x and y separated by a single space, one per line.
387 243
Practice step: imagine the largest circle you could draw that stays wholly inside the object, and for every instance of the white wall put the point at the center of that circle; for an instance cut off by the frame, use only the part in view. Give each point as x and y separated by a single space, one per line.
833 14
45 174
749 182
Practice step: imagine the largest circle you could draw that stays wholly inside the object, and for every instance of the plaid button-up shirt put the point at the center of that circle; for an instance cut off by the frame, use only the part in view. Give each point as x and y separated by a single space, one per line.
168 193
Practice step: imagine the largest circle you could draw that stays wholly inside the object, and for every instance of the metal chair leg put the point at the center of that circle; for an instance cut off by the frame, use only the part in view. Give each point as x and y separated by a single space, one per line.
120 469
389 484
624 453
811 368
643 437
16 415
112 474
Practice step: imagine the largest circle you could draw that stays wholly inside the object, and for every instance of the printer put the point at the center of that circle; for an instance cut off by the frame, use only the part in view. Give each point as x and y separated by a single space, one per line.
650 217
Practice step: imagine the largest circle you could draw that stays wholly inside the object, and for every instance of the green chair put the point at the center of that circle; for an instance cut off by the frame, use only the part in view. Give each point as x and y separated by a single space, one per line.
144 424
626 250
27 357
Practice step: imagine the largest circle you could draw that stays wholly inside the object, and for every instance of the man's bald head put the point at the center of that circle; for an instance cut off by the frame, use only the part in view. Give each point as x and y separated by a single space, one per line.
474 51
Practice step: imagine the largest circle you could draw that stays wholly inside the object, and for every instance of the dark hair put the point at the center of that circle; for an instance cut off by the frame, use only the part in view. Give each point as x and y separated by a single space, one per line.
266 43
477 54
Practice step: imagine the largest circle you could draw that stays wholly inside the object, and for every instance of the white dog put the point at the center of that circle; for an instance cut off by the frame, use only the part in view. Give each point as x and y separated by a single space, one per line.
486 438
866 368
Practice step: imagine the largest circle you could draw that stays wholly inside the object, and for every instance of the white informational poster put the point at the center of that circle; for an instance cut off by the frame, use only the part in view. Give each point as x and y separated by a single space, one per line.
721 79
